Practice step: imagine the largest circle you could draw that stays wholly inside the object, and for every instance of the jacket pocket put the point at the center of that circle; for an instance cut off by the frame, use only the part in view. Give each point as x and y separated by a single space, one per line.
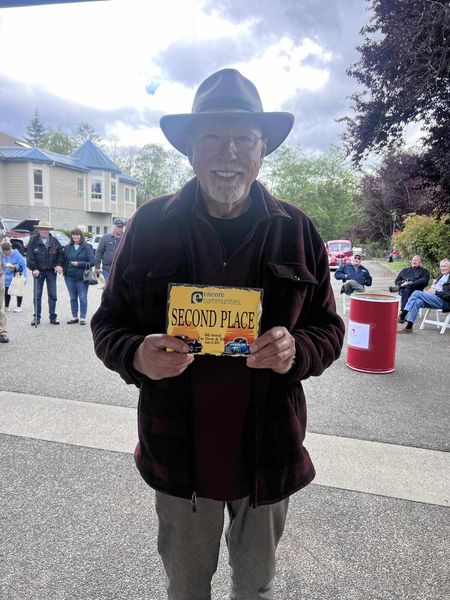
148 288
294 272
288 292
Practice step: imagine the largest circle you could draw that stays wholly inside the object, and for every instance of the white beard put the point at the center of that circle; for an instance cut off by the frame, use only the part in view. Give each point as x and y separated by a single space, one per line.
226 194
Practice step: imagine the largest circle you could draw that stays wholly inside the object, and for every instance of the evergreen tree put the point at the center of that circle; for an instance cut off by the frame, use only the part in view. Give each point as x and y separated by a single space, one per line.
36 131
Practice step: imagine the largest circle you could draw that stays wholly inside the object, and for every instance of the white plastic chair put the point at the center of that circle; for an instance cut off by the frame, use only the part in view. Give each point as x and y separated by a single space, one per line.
442 325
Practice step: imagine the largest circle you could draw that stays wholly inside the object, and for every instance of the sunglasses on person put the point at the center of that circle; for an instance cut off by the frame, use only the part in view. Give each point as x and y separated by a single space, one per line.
357 257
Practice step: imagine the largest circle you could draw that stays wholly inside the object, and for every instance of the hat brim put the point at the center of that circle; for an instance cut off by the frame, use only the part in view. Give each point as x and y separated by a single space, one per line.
49 227
276 126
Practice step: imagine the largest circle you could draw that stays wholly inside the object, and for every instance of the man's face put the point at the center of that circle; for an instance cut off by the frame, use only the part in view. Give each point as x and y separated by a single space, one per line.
226 154
44 233
416 261
356 260
117 230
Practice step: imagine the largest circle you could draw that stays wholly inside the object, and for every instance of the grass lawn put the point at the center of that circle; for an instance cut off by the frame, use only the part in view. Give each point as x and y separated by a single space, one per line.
398 265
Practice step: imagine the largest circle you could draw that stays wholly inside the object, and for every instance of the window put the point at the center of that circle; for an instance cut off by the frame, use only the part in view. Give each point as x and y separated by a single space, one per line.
130 195
38 187
90 228
113 192
105 229
81 188
97 229
96 190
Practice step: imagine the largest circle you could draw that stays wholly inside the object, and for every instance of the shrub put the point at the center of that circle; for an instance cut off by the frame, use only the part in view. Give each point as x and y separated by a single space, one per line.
426 236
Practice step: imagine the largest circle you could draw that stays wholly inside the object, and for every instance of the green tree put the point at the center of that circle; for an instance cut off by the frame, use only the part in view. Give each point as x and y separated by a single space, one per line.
59 141
36 132
427 236
159 171
323 186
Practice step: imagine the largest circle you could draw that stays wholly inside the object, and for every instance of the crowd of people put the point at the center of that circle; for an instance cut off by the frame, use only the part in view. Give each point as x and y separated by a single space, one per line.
45 259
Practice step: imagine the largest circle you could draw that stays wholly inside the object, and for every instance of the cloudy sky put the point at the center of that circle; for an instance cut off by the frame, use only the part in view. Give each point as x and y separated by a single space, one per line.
121 64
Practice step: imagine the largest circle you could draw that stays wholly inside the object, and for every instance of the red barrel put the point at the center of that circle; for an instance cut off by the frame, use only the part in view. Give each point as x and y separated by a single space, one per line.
372 333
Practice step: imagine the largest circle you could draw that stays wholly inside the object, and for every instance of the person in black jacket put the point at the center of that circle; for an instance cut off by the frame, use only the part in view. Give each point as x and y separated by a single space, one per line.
438 296
354 276
411 279
78 256
44 259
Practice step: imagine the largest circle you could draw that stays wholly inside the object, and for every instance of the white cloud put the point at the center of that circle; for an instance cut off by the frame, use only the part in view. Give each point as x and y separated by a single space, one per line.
279 74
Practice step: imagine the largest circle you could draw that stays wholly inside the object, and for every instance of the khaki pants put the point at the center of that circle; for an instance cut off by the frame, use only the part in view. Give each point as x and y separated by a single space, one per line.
2 304
189 545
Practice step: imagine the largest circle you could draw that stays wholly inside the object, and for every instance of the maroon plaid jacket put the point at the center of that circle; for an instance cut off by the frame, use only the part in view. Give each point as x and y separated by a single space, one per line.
291 265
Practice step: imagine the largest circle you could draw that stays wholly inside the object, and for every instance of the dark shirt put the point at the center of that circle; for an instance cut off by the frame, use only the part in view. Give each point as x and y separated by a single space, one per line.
221 413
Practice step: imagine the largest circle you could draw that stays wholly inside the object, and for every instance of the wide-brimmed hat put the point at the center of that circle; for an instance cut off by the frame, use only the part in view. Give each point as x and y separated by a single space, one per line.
227 92
43 225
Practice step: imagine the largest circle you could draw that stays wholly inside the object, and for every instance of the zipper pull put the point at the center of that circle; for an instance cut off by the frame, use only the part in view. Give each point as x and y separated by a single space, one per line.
194 502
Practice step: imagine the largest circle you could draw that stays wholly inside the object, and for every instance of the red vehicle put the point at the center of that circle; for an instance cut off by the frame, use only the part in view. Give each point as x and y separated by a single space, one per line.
339 252
17 232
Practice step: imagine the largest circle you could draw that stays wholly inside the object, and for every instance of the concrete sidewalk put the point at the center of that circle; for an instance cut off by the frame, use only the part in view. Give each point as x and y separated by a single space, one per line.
77 521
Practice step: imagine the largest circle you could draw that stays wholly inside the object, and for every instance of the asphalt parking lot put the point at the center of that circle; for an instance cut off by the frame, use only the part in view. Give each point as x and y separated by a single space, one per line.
78 522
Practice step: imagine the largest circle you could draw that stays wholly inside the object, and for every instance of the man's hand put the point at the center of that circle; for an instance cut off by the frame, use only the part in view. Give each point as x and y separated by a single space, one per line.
275 350
152 360
35 273
97 270
58 269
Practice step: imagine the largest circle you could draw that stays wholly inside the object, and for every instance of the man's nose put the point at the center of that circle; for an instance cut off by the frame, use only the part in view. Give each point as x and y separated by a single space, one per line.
228 147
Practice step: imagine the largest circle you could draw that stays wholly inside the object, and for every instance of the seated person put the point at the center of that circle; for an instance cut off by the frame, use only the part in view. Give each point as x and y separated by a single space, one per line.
411 279
354 276
436 297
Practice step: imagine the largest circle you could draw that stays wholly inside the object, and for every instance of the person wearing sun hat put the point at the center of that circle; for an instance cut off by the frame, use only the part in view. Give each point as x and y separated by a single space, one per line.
44 259
217 433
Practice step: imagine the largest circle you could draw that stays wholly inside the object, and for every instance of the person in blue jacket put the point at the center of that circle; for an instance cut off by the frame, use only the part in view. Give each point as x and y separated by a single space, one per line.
354 276
78 255
14 263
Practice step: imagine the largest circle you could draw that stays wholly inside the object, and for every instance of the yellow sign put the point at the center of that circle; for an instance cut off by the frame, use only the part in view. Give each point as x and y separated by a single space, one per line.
223 321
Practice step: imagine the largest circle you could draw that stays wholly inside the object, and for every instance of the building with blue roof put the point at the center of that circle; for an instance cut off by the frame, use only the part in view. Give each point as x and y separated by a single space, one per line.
86 190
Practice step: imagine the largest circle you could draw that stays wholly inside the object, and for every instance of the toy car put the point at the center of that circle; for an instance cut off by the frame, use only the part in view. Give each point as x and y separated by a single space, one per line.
194 345
238 346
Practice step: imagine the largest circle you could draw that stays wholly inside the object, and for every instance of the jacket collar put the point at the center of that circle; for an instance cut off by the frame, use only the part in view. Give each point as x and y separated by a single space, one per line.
183 201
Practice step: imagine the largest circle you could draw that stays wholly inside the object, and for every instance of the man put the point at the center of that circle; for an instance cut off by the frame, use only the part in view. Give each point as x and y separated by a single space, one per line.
436 297
411 279
107 247
354 276
218 432
3 337
44 259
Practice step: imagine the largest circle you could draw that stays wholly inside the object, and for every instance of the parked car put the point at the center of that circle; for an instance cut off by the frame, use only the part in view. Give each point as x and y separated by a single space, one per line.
339 252
238 346
17 232
61 237
194 345
94 240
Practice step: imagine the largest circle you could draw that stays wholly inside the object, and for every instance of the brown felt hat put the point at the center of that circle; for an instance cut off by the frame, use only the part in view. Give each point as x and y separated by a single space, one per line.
227 92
